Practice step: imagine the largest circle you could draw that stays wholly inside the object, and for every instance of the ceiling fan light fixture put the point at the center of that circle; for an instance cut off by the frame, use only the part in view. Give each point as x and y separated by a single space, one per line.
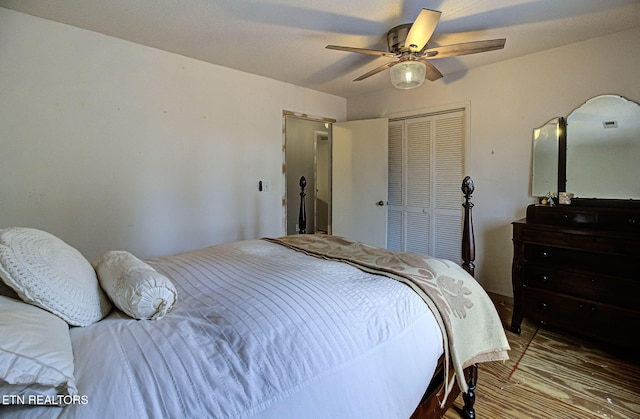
408 74
408 44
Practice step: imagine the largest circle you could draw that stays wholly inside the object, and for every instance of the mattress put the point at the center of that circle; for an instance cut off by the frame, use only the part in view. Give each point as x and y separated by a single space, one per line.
260 331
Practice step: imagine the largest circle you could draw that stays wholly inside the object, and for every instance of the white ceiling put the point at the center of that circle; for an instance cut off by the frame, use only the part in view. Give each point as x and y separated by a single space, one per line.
285 39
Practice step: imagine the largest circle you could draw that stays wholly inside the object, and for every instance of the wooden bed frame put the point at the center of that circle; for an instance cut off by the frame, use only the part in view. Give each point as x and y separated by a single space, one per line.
430 406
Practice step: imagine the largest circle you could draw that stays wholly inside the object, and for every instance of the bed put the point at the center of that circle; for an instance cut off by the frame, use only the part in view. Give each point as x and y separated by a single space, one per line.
302 326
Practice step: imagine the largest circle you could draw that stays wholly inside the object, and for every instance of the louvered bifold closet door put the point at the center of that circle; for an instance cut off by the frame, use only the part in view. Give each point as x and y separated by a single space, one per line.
449 169
417 210
426 157
395 237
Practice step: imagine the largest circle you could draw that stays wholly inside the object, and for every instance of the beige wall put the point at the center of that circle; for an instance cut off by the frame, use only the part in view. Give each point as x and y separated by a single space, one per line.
113 145
507 100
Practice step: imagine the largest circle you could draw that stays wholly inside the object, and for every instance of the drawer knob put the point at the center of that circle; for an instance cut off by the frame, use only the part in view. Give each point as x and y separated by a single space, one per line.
543 305
592 308
544 253
544 278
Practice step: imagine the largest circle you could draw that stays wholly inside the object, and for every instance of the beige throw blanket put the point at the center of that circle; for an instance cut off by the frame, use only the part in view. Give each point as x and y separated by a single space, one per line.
470 325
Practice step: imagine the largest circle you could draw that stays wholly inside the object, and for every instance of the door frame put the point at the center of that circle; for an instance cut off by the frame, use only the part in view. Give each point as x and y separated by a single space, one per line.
322 136
300 115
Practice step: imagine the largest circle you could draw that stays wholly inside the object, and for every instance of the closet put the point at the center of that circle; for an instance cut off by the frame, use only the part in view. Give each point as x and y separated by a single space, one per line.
426 163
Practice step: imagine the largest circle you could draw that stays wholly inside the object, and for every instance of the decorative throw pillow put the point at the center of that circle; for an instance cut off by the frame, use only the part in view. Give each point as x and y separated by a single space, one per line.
48 273
133 286
36 358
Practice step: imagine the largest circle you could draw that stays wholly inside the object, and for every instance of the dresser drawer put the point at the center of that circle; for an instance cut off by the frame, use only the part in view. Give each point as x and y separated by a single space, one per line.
601 263
587 318
588 284
588 241
621 219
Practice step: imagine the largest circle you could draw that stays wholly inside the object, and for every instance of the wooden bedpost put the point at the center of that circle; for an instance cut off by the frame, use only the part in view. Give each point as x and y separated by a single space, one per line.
302 216
468 241
468 412
431 405
468 257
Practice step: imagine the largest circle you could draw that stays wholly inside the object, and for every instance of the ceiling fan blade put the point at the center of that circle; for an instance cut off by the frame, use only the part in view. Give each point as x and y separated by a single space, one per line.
464 48
422 29
377 70
361 50
432 73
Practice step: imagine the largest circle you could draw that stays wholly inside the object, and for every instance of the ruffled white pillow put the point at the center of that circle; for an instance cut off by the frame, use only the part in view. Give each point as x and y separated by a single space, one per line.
133 286
45 271
36 358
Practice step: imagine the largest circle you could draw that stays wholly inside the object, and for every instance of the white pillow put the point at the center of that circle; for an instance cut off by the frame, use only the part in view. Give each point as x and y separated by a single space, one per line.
36 358
48 273
134 286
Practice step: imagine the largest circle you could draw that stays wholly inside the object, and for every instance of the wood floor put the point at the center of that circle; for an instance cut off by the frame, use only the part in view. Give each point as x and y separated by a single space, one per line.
554 375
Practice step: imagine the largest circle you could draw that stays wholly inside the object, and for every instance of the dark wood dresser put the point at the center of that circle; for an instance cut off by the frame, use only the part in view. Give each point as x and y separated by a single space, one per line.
577 268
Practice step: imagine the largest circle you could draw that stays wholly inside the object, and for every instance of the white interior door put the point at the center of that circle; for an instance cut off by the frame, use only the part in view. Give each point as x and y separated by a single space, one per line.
359 180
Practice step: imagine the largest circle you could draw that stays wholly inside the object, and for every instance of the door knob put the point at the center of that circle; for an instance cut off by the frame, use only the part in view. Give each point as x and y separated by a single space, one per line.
380 203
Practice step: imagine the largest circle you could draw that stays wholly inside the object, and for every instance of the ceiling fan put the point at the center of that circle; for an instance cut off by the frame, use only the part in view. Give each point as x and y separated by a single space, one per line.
408 45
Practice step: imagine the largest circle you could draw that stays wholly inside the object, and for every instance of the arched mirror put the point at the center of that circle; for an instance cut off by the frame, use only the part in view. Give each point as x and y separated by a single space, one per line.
603 149
596 152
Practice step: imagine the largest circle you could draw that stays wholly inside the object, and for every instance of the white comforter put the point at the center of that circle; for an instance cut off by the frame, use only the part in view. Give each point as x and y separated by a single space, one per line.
259 330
